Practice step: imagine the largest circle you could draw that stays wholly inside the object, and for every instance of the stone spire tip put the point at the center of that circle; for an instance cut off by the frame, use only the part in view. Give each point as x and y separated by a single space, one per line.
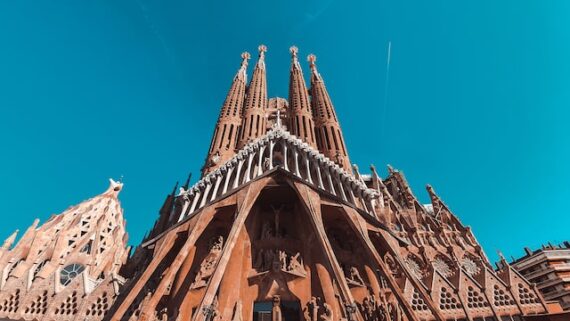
245 56
293 50
312 59
114 187
262 49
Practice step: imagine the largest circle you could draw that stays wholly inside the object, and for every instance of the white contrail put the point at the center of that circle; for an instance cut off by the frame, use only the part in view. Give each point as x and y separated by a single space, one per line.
386 82
389 55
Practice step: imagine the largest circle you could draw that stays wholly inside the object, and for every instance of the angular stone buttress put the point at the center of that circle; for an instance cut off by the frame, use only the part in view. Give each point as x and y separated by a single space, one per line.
279 227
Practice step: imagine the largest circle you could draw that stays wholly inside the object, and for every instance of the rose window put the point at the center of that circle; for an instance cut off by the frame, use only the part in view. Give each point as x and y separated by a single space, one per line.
69 272
442 267
470 267
414 268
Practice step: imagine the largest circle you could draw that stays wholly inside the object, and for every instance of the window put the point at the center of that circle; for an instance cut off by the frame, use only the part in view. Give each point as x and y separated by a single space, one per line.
69 272
39 268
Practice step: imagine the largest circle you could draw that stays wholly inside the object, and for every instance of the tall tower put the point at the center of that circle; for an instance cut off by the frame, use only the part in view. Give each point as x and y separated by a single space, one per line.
275 229
254 114
301 117
281 231
225 137
330 140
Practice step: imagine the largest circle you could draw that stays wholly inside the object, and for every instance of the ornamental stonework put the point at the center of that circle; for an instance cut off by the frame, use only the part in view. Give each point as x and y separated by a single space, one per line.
280 226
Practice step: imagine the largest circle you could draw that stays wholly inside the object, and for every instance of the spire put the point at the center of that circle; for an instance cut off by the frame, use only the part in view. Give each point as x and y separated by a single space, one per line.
187 183
254 119
10 240
301 116
224 140
330 140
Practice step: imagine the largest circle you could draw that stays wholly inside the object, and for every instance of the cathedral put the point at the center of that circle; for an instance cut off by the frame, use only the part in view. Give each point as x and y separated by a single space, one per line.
279 227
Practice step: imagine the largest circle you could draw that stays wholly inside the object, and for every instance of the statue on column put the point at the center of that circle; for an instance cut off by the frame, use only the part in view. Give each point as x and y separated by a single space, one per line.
276 310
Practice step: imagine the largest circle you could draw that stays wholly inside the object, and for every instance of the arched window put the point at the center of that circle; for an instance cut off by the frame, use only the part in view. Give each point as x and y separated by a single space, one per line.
39 268
69 272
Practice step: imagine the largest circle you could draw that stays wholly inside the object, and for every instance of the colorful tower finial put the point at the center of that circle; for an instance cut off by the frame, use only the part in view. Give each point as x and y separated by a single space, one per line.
262 50
293 50
242 73
311 58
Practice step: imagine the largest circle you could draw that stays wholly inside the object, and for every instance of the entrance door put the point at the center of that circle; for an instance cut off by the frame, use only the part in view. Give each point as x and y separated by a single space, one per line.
290 311
262 311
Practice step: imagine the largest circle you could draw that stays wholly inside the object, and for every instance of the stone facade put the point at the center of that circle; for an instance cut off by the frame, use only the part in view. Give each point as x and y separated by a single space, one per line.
280 226
69 267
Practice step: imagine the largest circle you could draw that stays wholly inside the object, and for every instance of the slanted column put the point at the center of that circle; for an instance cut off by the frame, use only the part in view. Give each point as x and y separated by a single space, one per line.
296 161
195 200
238 172
184 207
330 180
285 160
227 181
319 176
308 168
216 186
351 194
206 191
271 147
260 161
340 187
247 177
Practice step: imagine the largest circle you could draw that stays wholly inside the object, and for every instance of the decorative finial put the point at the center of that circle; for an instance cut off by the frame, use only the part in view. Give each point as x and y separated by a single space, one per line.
245 56
312 59
262 50
294 50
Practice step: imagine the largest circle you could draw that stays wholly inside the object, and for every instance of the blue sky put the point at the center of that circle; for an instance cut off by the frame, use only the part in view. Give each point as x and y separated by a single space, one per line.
477 103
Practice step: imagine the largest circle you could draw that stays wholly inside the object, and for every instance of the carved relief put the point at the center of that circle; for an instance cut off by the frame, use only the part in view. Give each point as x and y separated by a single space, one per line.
415 266
279 260
470 266
208 265
353 276
442 265
373 309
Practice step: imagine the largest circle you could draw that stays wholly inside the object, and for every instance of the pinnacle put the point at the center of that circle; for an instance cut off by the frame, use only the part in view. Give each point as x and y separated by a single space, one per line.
293 50
312 59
